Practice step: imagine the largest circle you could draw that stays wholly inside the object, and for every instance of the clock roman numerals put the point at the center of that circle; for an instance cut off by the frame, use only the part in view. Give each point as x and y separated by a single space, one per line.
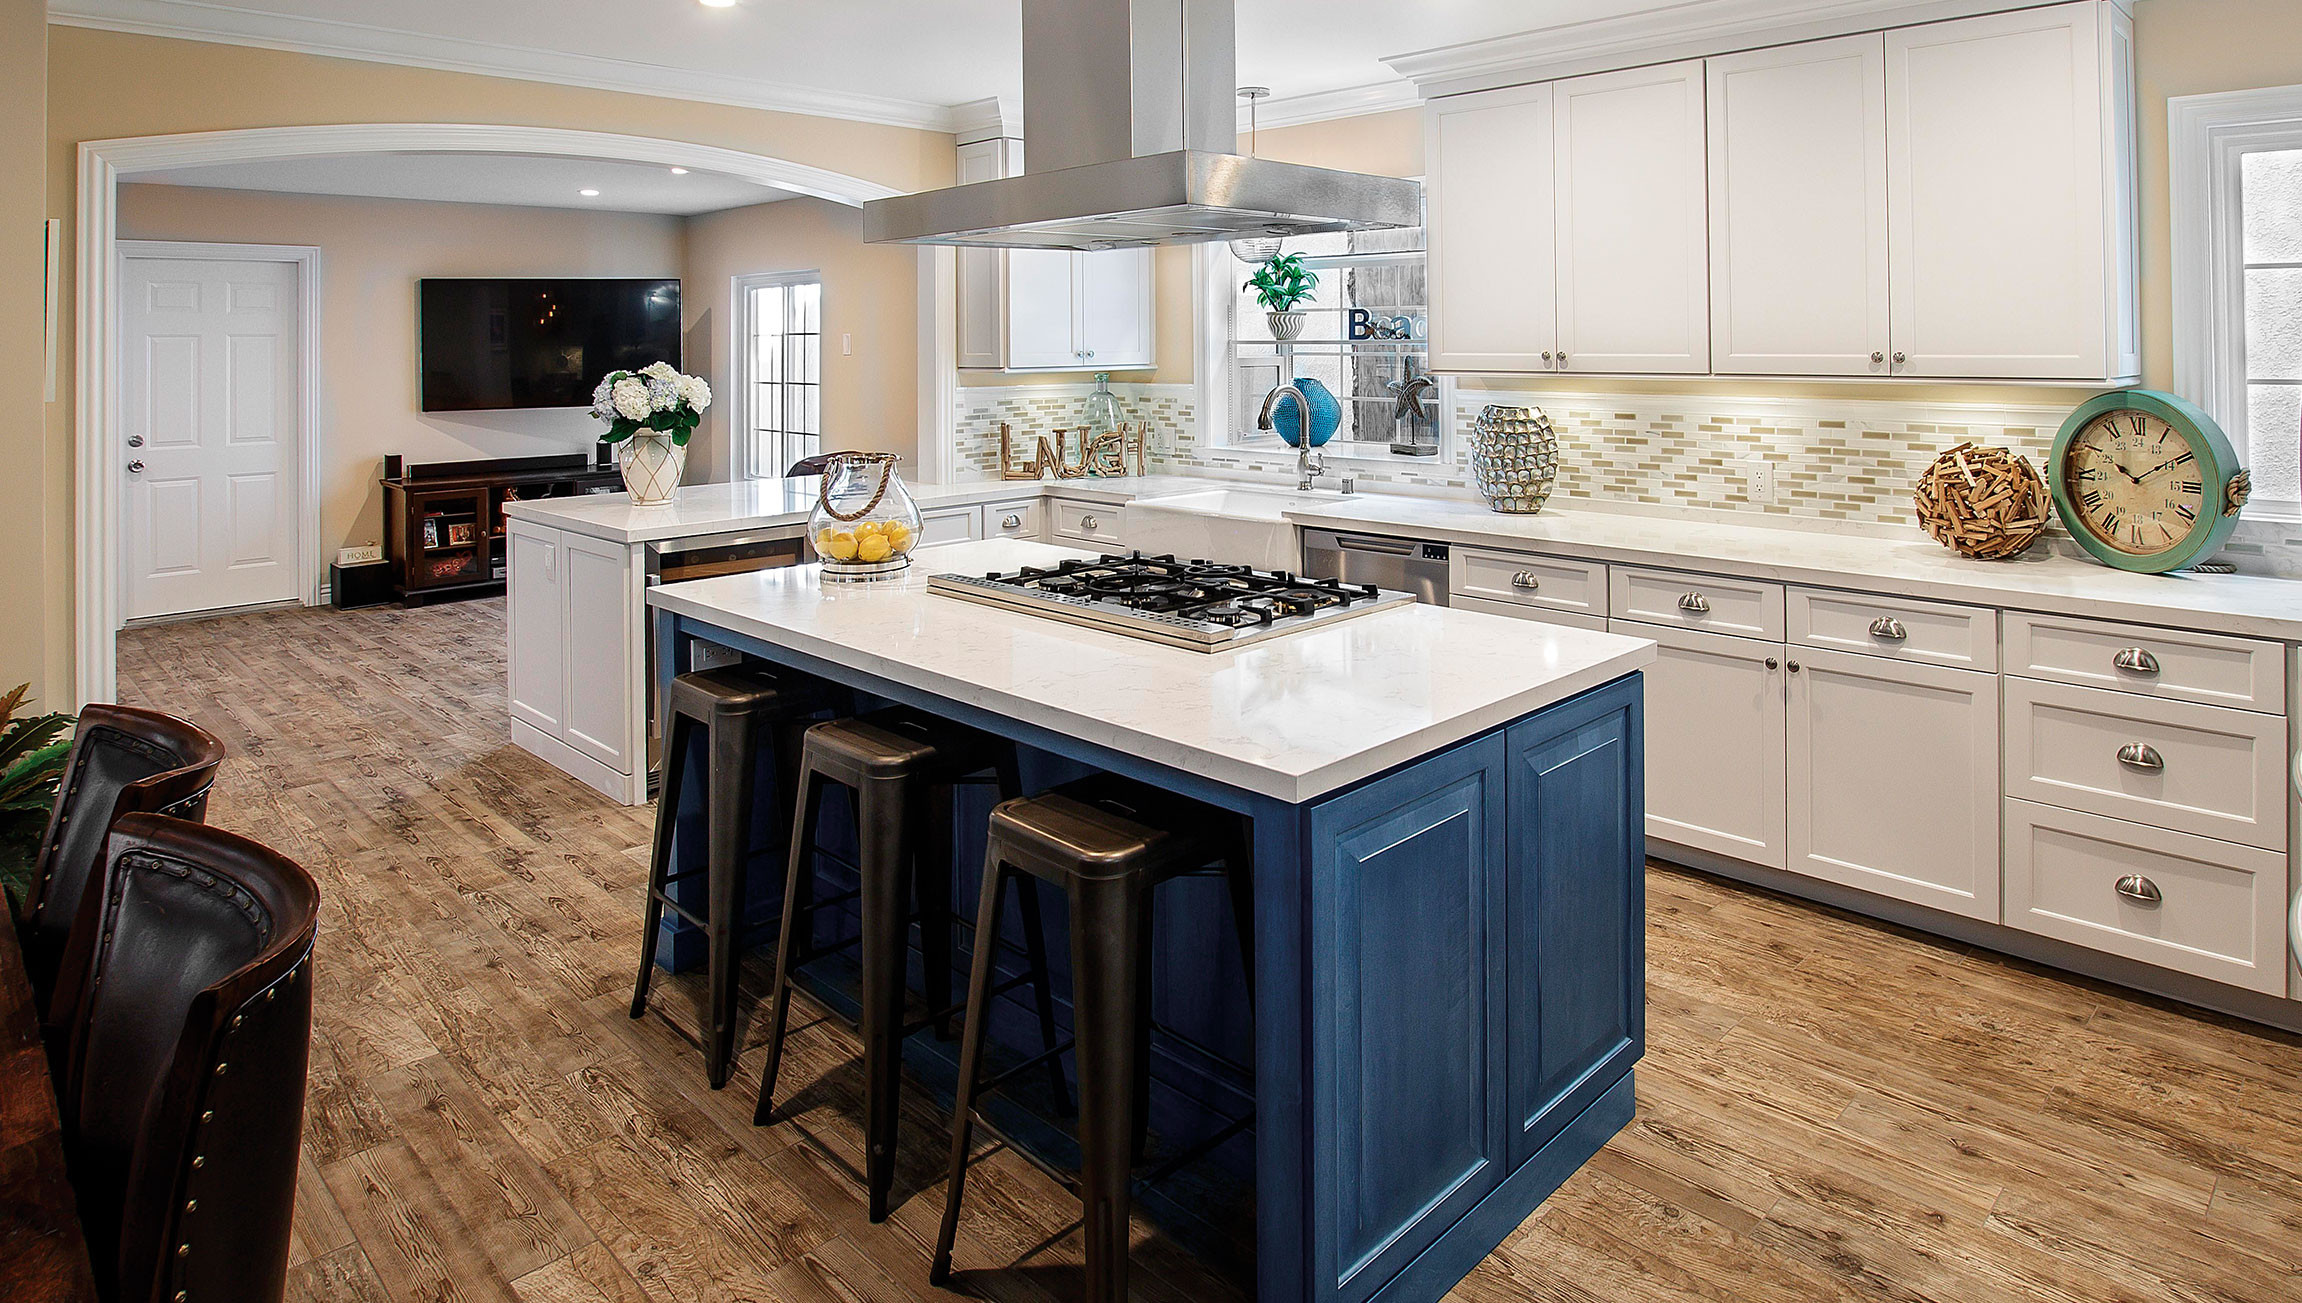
2133 482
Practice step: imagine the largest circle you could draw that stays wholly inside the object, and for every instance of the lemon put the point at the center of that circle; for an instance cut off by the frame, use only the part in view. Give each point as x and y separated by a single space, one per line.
869 527
838 547
898 536
872 547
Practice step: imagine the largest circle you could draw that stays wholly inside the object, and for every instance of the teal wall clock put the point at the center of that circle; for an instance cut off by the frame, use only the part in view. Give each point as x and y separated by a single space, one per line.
2146 481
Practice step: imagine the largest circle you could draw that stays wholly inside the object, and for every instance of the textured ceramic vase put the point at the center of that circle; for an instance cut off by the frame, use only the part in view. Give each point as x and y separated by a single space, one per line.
1326 414
652 465
1514 458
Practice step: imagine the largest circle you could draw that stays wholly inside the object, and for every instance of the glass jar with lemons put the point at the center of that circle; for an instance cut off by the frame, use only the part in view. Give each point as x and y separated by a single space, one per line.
865 523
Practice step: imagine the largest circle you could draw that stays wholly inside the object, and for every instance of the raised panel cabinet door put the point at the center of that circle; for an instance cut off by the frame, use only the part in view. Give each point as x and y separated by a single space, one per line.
1407 1013
982 290
1714 707
1115 306
1798 210
603 589
1043 309
1998 209
1894 779
1487 204
1633 221
1574 909
535 600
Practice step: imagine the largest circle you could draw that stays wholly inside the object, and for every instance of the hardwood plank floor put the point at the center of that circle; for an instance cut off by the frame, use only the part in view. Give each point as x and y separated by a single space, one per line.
1830 1108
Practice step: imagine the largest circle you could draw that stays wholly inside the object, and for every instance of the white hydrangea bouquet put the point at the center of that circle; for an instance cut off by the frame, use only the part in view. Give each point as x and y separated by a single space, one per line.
650 413
655 398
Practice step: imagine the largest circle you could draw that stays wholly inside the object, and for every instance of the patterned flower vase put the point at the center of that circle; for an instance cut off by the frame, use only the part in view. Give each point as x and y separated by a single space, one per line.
1326 414
1514 458
652 465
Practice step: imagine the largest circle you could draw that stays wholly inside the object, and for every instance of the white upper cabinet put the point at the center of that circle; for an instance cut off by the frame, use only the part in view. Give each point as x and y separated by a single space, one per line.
1633 237
2010 184
1952 200
1798 202
1487 214
1049 310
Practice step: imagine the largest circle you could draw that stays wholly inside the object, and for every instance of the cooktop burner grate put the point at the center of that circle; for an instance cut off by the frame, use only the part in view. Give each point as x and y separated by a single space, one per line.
1189 603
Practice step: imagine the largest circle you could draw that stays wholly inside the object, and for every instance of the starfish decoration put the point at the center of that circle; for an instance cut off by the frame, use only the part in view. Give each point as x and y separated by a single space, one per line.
1408 396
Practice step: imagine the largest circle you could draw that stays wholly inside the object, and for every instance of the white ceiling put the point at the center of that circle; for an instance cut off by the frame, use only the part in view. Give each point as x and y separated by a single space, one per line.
522 180
906 61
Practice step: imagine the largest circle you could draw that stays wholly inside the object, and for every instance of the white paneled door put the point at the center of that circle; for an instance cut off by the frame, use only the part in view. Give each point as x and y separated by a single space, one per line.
210 369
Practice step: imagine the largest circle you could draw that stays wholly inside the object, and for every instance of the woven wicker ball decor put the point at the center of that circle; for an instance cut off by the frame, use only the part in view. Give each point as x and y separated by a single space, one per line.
1986 503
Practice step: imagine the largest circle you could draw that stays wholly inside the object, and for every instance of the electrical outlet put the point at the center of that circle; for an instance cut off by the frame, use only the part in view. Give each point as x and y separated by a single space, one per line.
1761 483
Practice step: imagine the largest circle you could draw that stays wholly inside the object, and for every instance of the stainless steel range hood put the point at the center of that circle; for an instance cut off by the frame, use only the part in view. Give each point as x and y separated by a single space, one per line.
1130 135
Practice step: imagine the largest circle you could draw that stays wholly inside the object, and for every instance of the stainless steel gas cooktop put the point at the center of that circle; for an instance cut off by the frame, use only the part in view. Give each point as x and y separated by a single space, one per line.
1197 604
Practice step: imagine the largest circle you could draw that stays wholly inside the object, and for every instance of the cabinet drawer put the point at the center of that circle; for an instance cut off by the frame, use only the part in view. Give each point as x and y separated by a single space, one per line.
2170 764
2219 910
1531 614
1936 633
1087 522
1743 607
2173 663
949 525
1011 519
1515 579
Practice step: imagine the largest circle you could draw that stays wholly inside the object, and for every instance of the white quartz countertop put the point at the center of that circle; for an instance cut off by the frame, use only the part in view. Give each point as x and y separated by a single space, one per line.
1293 717
1912 565
698 510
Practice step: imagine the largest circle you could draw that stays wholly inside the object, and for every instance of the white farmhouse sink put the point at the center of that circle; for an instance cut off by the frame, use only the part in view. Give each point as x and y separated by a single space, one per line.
1237 526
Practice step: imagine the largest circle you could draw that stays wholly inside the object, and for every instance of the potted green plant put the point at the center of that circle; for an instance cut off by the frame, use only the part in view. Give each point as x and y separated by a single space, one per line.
1279 285
32 753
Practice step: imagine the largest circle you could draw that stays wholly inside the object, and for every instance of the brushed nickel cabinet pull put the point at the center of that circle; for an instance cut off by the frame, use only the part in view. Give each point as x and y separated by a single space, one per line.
1694 603
2135 660
2140 890
1011 521
1546 355
1090 522
2141 755
1525 579
1889 628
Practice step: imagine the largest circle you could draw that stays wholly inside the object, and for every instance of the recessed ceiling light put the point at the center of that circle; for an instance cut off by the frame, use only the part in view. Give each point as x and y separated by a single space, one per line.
589 194
679 171
719 4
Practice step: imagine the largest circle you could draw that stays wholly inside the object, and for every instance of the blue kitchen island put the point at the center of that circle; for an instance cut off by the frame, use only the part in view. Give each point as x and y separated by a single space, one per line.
1448 865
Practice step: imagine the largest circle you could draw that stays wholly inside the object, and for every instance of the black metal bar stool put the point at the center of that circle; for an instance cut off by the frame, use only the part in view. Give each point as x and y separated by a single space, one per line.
738 708
1107 842
902 767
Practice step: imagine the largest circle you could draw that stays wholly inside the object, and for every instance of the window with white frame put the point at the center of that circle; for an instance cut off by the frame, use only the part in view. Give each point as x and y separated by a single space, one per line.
2237 206
1389 400
779 349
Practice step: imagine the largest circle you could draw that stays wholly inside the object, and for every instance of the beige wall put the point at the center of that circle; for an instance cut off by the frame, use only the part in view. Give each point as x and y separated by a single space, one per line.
870 296
372 251
103 85
23 274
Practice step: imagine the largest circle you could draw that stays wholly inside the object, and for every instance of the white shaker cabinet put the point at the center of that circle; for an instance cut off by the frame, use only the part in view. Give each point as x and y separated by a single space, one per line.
1715 773
1049 309
1488 217
2010 176
1798 203
536 617
1894 778
1632 228
576 652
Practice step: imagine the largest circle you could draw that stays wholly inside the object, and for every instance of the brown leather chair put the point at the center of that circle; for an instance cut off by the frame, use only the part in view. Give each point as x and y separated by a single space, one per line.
184 1088
123 760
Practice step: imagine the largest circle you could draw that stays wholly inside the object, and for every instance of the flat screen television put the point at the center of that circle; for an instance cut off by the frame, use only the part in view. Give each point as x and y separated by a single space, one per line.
487 344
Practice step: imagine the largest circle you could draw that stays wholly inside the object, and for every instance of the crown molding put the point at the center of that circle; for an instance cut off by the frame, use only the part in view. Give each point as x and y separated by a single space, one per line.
1686 30
1327 105
987 119
200 20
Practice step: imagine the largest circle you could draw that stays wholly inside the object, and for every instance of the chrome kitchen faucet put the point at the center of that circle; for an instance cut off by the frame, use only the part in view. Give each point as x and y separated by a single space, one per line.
1309 465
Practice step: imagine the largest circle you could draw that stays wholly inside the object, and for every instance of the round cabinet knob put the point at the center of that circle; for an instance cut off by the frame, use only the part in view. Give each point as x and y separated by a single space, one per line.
135 468
1877 358
1793 667
1090 352
1546 355
1090 522
1011 522
1772 663
1526 581
2142 756
2140 890
1562 357
1900 358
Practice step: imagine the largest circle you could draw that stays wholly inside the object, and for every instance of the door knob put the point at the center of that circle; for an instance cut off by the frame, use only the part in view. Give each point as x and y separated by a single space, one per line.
135 468
135 441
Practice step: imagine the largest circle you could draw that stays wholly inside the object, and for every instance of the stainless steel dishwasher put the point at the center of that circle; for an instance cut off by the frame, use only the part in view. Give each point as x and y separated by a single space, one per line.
1401 564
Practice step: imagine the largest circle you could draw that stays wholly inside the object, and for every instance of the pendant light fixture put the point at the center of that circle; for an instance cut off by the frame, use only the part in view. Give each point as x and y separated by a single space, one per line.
1255 250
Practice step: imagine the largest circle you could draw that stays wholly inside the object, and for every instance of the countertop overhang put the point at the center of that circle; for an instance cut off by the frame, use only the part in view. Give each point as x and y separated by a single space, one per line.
1292 718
